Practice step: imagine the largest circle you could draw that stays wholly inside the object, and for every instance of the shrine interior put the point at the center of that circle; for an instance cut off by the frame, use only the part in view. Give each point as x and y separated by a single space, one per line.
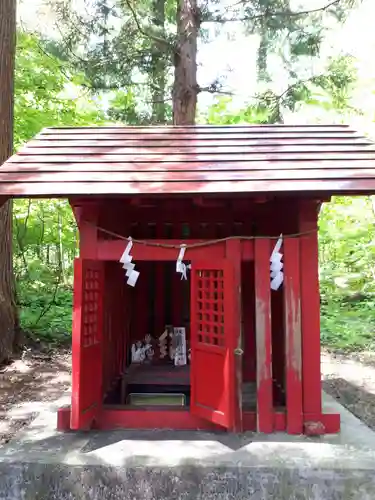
158 303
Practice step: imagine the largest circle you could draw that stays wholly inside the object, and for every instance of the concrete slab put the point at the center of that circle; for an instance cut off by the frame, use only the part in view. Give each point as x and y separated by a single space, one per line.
44 464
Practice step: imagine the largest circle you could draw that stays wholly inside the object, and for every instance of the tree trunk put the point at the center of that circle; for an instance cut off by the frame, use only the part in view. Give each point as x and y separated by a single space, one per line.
159 67
262 59
185 89
8 311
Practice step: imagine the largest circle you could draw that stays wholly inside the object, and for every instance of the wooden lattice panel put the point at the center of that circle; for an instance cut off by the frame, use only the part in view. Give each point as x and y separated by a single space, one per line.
213 339
90 307
87 345
210 307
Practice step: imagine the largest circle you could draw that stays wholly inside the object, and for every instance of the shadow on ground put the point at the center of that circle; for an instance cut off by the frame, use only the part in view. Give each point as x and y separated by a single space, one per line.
26 385
356 399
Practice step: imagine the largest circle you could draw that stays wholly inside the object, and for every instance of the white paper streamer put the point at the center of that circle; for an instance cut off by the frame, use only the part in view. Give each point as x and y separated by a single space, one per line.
180 258
183 270
133 277
180 266
277 276
128 265
129 268
125 257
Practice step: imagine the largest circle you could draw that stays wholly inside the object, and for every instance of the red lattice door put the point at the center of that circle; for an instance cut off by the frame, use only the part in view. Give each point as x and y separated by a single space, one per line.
213 341
87 342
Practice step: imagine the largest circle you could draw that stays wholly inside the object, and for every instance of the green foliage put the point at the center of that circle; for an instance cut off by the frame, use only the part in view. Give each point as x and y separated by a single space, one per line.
347 250
347 259
219 114
330 90
44 242
347 272
337 82
44 231
42 320
62 84
348 327
43 85
290 32
125 50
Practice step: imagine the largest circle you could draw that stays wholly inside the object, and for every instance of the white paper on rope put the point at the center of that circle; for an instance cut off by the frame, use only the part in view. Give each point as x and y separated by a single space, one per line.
180 258
277 276
125 256
183 271
133 277
180 266
129 269
128 265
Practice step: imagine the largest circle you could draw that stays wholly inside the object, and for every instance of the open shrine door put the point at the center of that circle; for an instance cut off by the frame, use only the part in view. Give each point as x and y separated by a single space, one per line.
214 337
87 337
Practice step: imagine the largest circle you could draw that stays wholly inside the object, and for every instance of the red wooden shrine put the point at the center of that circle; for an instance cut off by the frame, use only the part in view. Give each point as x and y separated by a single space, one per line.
255 353
227 194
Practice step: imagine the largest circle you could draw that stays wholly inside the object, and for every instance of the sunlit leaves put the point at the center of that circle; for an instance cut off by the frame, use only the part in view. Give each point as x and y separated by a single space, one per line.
338 81
44 231
347 244
305 43
47 93
220 114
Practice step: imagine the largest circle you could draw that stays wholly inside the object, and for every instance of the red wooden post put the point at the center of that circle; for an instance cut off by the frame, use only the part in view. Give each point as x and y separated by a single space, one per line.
85 359
293 340
233 253
106 326
127 306
122 324
87 343
117 317
262 253
111 327
87 217
310 307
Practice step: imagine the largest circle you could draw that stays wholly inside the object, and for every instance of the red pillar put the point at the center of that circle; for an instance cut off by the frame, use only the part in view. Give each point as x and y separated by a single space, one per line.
293 338
310 305
87 352
233 253
87 218
262 253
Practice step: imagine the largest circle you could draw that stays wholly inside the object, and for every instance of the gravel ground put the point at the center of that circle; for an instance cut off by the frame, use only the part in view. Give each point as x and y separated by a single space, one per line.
38 378
350 378
26 384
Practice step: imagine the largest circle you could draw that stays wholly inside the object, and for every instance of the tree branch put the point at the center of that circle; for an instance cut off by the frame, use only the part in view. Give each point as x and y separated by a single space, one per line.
284 13
47 307
146 34
214 89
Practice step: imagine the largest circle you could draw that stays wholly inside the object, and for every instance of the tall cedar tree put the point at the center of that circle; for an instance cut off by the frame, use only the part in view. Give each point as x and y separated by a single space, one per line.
8 316
185 87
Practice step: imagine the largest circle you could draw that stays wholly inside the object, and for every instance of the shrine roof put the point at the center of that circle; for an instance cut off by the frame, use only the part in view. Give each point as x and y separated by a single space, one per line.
117 160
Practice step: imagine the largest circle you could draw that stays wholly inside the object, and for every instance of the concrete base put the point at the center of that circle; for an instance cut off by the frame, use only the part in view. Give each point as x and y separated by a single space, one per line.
163 465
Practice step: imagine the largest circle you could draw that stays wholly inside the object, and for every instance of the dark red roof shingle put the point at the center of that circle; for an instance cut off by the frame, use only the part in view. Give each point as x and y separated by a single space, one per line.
198 159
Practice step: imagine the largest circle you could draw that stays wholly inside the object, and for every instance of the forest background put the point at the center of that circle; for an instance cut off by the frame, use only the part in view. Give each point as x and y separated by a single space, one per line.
87 62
